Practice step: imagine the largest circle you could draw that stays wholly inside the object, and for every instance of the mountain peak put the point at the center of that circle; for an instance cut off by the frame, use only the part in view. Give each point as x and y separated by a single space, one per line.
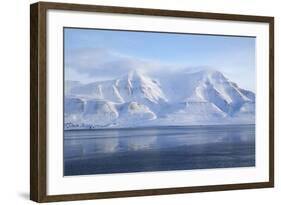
134 75
203 70
184 97
208 71
142 85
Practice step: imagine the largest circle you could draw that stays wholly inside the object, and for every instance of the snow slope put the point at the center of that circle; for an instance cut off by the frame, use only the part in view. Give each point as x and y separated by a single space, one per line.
179 98
130 87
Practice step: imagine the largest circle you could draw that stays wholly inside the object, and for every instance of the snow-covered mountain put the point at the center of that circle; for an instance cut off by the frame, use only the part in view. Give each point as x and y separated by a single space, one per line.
179 98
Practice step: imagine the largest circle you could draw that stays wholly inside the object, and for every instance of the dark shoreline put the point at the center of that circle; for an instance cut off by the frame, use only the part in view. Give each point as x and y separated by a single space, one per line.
160 126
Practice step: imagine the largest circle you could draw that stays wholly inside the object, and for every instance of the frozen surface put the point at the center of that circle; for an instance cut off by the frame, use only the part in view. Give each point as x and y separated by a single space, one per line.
166 148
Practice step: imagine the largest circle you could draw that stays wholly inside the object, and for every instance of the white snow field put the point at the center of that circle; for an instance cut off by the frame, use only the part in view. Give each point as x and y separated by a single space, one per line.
198 97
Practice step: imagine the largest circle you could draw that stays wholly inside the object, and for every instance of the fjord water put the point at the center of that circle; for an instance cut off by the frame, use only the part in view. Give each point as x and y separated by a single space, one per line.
105 151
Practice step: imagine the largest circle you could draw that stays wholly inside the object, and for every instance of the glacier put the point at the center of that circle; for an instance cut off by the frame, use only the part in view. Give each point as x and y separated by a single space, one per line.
135 99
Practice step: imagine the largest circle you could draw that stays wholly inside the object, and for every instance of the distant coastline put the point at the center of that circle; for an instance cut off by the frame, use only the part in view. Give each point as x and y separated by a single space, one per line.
159 126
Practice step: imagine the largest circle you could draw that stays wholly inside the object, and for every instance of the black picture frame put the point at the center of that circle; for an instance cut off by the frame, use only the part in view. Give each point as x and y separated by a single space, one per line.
38 102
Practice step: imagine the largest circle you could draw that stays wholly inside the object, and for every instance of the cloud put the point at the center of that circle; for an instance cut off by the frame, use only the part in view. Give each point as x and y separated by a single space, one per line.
98 64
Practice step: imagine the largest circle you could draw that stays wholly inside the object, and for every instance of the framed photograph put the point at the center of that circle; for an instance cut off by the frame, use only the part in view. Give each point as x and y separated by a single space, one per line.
134 102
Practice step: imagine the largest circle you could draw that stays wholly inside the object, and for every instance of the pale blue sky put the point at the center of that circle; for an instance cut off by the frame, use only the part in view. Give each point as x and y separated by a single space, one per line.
90 49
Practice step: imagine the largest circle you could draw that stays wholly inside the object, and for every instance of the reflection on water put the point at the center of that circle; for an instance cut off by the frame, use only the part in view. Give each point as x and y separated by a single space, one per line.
158 149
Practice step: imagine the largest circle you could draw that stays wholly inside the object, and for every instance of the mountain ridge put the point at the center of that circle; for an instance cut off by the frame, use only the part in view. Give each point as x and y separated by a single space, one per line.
136 99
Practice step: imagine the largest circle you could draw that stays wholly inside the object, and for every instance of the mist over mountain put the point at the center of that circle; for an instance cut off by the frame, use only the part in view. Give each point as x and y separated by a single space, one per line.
185 97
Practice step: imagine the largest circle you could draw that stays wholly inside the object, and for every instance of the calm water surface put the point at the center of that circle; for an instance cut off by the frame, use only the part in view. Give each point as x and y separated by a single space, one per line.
158 149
